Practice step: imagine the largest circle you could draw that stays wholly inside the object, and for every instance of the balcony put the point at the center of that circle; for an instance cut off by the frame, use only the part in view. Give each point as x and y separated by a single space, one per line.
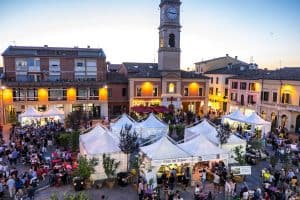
34 69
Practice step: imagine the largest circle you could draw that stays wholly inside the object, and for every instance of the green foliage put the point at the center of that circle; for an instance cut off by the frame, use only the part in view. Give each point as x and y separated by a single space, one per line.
256 144
76 118
68 140
54 197
180 131
239 155
110 166
86 167
223 134
75 140
79 196
12 118
64 140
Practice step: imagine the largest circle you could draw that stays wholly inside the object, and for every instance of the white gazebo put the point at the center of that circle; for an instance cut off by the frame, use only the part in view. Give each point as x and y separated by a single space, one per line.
29 114
164 151
54 113
256 121
203 149
208 130
237 116
117 126
151 127
100 141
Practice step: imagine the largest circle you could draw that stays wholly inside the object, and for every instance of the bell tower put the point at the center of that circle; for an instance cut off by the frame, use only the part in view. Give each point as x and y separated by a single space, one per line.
169 36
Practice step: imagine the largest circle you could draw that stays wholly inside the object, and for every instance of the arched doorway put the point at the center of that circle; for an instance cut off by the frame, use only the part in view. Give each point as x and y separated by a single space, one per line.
297 129
242 100
274 121
284 120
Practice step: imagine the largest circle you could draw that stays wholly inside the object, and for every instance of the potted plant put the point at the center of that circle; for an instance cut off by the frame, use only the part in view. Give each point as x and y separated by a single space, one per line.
85 168
110 167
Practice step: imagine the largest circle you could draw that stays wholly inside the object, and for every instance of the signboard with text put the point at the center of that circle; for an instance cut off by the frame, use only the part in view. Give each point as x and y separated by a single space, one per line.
241 170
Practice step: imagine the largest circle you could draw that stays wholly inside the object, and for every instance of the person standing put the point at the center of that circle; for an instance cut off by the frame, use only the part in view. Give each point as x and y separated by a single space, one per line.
11 186
141 190
228 189
216 182
203 179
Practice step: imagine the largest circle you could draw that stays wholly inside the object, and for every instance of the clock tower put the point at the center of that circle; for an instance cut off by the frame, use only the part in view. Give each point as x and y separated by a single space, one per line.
169 36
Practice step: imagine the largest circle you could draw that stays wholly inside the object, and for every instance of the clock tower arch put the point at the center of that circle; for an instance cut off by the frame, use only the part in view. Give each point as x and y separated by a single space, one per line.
169 36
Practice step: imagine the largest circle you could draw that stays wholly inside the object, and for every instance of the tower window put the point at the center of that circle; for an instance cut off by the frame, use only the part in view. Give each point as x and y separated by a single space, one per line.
171 40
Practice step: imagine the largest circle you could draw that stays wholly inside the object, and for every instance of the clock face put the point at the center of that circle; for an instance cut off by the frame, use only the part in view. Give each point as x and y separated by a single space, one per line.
172 13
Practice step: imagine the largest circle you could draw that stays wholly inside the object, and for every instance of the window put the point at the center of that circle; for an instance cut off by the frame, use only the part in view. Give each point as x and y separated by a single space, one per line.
212 80
217 80
109 91
275 97
233 96
21 65
285 98
32 94
172 40
234 85
57 94
200 93
211 91
94 94
124 92
79 69
91 69
155 92
226 92
265 96
19 94
54 69
243 85
171 88
138 92
33 64
81 94
252 86
217 91
186 92
251 99
226 81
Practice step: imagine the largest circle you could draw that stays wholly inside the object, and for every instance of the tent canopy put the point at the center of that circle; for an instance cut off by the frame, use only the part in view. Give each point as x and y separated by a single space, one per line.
53 111
255 120
201 128
164 149
201 146
99 141
30 112
237 115
122 121
152 126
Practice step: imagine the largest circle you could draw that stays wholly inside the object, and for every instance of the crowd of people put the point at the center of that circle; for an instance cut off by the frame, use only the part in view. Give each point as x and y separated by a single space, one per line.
24 160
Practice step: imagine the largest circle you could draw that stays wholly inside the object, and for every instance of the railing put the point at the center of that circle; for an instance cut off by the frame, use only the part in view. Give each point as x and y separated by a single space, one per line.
289 107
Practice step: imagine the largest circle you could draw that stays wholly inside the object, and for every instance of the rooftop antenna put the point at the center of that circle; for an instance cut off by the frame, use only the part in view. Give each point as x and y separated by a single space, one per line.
251 59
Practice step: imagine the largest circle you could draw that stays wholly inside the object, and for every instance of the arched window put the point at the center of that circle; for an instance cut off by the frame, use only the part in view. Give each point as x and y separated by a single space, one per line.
171 40
171 88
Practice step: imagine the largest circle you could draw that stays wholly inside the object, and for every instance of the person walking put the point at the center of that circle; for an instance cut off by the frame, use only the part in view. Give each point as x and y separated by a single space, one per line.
216 182
203 179
228 189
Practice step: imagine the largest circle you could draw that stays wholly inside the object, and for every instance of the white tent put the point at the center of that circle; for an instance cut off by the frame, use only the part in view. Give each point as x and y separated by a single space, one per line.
54 112
164 151
201 147
151 127
117 126
30 113
210 132
237 115
100 141
256 120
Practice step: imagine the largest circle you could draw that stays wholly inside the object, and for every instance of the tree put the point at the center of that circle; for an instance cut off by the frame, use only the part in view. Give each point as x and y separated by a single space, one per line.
239 155
110 166
223 134
75 119
128 141
86 167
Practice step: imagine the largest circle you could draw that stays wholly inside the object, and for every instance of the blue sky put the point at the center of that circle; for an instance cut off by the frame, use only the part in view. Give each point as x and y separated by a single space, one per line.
267 30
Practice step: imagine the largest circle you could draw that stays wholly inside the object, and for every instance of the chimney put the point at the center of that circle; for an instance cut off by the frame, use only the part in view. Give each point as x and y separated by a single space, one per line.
235 57
75 47
227 54
88 46
45 45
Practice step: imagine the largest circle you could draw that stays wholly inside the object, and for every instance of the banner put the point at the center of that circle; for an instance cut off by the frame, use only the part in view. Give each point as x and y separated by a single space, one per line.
241 170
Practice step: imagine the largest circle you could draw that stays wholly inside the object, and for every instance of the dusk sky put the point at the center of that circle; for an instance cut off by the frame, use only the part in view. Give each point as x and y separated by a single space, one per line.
267 30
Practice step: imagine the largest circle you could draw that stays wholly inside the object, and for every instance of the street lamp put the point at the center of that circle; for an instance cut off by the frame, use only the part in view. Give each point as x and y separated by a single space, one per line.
2 102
